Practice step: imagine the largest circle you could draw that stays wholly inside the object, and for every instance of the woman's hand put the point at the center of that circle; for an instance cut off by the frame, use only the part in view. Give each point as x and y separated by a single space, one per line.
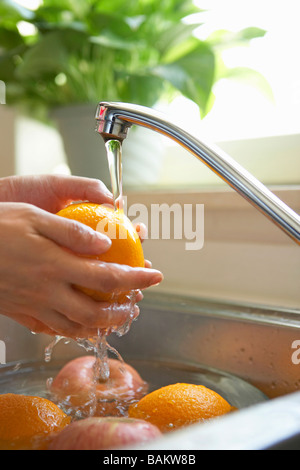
53 192
39 263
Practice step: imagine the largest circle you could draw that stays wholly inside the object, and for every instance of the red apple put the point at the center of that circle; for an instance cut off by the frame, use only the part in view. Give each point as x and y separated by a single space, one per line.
104 433
75 387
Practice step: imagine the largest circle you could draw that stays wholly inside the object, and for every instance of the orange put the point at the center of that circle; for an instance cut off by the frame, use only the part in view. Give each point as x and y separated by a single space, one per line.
26 421
126 246
178 405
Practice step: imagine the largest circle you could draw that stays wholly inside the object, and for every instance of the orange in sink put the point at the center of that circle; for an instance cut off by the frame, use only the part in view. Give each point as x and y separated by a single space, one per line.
26 421
178 405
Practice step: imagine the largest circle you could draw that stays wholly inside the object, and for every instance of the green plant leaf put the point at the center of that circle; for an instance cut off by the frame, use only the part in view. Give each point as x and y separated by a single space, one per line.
113 42
111 22
181 50
11 13
250 33
140 89
170 40
78 7
251 77
137 51
10 38
192 75
48 56
224 38
116 6
7 68
51 15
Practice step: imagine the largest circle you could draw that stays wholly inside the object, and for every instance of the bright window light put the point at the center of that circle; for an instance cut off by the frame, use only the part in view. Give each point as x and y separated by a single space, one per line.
241 110
30 4
26 29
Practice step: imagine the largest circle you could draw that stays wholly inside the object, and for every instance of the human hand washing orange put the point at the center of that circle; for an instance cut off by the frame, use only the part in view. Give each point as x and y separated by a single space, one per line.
44 256
126 248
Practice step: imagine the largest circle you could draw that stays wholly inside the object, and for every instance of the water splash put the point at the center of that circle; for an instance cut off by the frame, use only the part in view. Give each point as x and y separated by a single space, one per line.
50 347
98 345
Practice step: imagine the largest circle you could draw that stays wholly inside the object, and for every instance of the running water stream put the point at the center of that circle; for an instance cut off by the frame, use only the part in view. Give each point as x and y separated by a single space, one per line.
98 345
114 157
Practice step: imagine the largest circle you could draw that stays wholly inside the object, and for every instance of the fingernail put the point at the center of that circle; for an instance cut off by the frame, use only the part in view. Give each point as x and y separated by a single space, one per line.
106 240
157 278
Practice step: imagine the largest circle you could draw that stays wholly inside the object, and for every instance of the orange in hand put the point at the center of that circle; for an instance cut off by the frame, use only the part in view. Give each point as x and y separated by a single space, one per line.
126 246
178 405
26 421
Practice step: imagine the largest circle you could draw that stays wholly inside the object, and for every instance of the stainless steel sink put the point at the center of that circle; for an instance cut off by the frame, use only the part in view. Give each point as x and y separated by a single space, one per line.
245 349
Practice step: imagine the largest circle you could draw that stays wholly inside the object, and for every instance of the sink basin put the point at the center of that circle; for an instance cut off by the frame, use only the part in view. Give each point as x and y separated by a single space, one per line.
242 351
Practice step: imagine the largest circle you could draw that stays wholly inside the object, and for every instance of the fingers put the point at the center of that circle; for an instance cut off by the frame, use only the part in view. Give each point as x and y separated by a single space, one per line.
76 188
139 296
76 315
142 231
91 314
43 297
63 310
53 192
73 235
110 277
83 321
33 324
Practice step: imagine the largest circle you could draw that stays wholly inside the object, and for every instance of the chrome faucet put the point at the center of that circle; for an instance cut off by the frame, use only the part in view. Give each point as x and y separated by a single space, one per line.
114 119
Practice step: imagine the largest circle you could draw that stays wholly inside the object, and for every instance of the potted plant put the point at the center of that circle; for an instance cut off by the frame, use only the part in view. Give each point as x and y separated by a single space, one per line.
80 52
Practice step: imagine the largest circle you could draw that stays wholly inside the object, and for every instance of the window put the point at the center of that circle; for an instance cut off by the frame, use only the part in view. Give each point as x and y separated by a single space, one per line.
260 131
241 110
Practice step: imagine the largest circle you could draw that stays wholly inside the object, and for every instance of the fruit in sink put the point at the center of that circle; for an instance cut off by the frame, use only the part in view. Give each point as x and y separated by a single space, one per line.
75 386
103 433
26 421
126 246
178 405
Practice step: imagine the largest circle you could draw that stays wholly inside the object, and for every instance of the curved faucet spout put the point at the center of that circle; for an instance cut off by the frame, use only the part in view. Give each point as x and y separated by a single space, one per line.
114 119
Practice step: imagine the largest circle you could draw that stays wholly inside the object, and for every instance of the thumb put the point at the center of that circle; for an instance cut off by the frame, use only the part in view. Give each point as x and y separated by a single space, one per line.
73 235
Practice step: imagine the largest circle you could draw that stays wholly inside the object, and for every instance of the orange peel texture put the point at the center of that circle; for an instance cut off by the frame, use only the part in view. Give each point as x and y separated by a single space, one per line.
27 421
178 405
126 247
